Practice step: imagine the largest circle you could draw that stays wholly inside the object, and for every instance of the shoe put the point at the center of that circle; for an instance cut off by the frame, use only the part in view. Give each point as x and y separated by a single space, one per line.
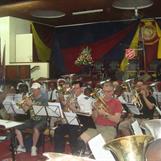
33 151
21 149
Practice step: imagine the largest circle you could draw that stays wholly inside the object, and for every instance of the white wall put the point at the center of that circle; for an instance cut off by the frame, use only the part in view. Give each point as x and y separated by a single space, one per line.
23 42
9 28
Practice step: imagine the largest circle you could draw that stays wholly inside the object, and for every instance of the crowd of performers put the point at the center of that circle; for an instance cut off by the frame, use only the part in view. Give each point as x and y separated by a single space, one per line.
106 102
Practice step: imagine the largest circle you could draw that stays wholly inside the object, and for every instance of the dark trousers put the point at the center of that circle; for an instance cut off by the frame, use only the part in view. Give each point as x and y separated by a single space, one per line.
61 131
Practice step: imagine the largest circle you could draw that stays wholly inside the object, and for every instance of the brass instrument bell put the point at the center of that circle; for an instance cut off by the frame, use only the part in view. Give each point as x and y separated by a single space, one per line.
130 148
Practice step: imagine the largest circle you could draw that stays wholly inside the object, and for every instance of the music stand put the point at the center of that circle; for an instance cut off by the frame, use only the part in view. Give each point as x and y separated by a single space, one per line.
86 120
71 118
9 125
11 106
53 109
132 108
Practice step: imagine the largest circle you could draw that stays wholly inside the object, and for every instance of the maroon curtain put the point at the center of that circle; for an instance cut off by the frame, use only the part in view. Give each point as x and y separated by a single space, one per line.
99 48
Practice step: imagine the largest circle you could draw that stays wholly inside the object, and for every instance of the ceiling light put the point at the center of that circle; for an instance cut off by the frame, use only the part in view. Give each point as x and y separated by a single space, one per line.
87 12
47 14
132 4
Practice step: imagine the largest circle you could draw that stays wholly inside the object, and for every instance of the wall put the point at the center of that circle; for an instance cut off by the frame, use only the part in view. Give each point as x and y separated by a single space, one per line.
9 28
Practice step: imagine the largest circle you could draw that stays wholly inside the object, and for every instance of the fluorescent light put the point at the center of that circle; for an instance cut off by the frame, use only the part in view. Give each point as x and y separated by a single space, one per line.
132 4
47 14
87 11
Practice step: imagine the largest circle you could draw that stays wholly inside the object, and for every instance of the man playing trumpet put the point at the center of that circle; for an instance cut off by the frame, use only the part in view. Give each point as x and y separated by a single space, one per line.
37 123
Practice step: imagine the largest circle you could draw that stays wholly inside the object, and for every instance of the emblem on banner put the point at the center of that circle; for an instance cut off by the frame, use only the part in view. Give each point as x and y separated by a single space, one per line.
149 33
130 53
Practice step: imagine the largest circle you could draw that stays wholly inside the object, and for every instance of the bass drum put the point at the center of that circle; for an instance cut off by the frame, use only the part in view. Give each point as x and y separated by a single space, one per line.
153 152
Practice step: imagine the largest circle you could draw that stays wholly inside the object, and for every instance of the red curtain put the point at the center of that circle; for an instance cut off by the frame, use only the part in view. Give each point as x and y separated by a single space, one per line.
99 48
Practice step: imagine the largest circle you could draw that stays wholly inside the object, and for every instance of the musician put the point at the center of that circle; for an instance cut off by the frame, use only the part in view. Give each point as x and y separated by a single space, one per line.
52 92
147 106
106 118
37 123
79 102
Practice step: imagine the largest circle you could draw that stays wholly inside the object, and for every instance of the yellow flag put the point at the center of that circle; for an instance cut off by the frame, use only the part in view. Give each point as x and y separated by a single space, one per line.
133 45
42 50
159 44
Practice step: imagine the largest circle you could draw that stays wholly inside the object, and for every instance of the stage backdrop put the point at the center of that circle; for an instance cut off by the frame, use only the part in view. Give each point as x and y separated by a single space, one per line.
107 41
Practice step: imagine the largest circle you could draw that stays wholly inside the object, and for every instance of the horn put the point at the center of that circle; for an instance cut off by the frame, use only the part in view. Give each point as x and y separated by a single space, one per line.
130 148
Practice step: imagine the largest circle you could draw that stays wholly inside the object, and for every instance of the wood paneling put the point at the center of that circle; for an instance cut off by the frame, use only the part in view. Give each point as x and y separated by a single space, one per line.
17 72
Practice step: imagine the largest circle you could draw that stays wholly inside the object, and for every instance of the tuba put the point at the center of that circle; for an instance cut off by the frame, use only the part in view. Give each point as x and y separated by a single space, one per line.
130 148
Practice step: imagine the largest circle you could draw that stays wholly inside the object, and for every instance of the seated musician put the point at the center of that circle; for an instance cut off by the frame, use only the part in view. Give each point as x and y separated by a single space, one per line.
145 103
76 102
37 123
106 113
52 92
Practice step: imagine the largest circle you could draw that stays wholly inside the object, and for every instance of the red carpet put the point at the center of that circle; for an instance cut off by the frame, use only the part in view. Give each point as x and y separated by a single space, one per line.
5 153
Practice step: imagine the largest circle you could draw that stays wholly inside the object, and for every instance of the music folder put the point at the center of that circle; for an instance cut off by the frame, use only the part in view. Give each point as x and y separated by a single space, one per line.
85 120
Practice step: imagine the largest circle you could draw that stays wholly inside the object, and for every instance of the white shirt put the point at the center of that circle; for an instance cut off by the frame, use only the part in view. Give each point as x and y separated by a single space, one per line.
85 103
52 95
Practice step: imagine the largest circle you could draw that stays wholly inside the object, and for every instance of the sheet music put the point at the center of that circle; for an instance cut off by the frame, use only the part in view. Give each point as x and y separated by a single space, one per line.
53 110
71 118
96 145
10 104
136 128
9 124
56 106
133 109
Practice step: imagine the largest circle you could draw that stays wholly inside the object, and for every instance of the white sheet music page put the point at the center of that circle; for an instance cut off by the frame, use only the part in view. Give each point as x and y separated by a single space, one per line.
9 124
8 104
136 128
71 118
96 145
55 109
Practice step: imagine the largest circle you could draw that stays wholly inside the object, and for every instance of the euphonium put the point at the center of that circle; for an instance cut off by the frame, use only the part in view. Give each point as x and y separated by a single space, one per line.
22 102
130 148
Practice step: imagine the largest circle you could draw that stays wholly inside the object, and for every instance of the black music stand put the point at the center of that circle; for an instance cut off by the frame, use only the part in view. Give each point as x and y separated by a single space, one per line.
53 109
133 109
11 106
9 125
86 120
